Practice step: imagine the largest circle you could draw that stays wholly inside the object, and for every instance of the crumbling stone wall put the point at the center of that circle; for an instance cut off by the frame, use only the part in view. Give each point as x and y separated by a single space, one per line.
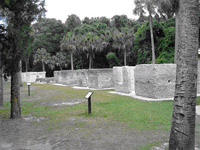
100 78
71 77
32 76
93 78
155 80
124 79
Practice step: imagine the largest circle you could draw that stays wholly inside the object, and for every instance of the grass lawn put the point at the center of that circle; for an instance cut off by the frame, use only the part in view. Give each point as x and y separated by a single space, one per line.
137 114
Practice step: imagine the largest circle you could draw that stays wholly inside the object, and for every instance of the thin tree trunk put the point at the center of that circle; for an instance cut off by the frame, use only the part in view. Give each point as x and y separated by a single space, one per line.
1 87
90 61
20 74
43 66
27 64
1 83
176 37
72 62
182 135
152 37
125 57
15 96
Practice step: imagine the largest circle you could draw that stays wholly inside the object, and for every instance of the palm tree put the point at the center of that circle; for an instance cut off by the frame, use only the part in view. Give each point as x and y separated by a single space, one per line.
60 60
69 44
90 44
123 41
139 10
42 56
182 135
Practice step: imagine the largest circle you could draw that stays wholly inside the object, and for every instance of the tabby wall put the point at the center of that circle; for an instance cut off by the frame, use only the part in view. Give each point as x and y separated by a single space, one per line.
155 80
92 78
124 79
32 76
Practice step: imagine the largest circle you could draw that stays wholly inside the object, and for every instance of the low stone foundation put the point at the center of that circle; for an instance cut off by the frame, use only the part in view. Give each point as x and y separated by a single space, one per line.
32 76
124 79
155 80
92 78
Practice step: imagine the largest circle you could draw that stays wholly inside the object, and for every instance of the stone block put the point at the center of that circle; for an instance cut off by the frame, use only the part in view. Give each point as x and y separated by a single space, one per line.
32 76
93 78
124 80
155 80
100 78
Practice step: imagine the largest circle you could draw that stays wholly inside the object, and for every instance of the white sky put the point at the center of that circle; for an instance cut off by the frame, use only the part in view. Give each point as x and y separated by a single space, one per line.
61 9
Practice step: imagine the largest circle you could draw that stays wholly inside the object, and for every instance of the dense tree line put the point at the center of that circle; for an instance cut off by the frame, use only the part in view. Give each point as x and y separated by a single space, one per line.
103 42
98 42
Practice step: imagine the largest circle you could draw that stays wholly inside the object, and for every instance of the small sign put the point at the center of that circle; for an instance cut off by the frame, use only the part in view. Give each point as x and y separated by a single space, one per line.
88 94
28 83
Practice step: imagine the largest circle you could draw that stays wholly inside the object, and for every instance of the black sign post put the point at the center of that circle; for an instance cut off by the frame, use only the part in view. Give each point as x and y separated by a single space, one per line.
29 90
88 96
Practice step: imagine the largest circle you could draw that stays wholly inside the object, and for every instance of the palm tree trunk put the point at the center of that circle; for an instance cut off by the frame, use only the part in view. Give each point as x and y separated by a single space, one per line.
1 82
125 57
15 95
1 86
27 64
43 66
90 61
72 62
182 135
176 37
152 38
20 74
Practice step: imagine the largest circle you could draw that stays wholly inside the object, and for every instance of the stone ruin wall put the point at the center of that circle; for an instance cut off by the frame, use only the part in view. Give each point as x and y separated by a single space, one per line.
124 80
32 76
147 80
155 80
92 78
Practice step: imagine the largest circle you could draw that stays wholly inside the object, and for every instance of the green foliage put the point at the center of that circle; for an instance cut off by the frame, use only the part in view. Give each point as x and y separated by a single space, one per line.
120 21
72 22
48 33
112 59
19 19
198 100
164 37
166 46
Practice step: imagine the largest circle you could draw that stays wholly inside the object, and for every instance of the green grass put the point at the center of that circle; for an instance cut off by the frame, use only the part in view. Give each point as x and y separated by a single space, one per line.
198 100
150 146
137 114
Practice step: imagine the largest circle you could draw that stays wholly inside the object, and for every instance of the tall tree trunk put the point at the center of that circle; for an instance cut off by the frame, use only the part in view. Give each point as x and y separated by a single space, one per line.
27 64
1 87
20 74
15 95
176 37
43 66
1 82
90 61
125 57
152 37
182 135
72 62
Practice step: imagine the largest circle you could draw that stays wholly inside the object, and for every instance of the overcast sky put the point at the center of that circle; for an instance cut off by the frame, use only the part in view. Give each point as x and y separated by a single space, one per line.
61 9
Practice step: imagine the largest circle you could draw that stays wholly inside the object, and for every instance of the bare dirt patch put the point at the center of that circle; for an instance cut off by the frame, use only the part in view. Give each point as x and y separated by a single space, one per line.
76 132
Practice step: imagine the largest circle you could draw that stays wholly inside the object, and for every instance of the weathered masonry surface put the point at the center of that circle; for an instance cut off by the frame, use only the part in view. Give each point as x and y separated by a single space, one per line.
32 76
155 81
92 78
124 79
